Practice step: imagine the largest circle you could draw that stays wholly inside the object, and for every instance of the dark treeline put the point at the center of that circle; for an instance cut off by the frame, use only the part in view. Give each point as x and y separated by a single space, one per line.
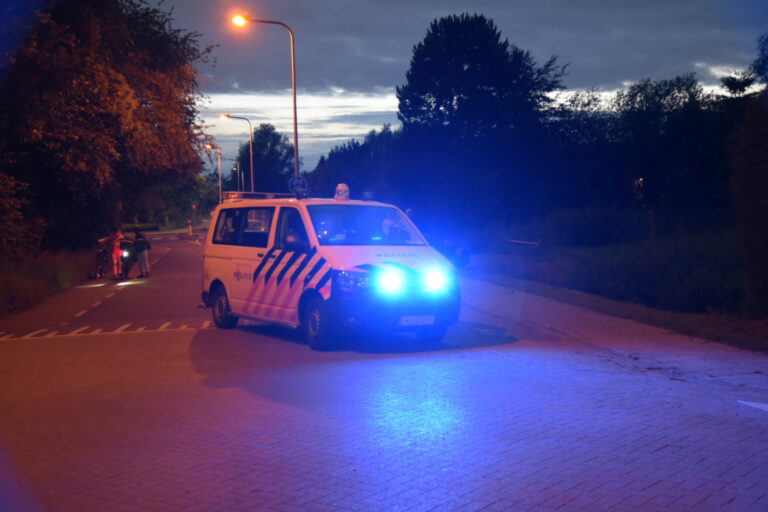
486 152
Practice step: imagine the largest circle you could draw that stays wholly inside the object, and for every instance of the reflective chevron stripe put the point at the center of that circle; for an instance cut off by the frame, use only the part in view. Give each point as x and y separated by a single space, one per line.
278 284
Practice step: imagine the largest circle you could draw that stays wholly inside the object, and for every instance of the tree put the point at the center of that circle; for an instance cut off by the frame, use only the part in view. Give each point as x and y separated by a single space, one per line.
272 160
749 183
464 77
97 105
738 83
473 110
662 127
760 65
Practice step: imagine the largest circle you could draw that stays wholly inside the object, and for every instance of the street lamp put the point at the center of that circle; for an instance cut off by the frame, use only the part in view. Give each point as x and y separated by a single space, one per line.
241 20
218 152
250 139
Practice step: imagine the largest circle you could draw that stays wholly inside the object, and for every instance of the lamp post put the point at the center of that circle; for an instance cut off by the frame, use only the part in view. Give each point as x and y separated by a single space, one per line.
241 20
218 152
250 139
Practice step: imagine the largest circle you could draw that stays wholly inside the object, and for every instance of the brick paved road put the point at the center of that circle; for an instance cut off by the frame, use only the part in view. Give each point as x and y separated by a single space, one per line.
532 405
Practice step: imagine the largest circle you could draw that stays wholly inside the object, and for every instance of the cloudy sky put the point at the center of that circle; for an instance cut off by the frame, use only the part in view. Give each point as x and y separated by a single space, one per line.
350 54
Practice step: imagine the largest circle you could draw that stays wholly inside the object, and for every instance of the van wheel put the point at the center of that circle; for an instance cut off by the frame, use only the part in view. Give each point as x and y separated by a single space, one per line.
315 324
222 314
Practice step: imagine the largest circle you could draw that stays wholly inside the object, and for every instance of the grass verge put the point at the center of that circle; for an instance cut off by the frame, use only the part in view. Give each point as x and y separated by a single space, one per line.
730 329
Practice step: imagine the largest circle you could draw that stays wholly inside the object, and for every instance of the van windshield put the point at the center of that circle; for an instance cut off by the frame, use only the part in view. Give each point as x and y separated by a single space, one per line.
350 224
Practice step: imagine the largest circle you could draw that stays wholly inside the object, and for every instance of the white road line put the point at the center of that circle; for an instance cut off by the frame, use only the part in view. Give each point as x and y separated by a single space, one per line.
122 327
96 331
7 336
51 334
164 326
81 313
141 329
109 296
184 326
206 324
96 304
34 333
78 331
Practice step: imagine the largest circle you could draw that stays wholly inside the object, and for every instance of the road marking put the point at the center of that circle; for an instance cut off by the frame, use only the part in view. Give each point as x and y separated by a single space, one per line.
757 405
96 304
34 333
81 313
120 330
109 296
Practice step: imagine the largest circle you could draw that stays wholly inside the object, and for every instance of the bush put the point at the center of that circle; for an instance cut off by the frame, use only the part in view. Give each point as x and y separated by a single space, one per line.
688 272
593 226
27 281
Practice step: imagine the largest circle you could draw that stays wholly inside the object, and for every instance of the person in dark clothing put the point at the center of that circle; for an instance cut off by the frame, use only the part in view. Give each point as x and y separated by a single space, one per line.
142 246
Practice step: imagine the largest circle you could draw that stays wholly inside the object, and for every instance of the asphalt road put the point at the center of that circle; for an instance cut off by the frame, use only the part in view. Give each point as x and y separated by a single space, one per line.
123 397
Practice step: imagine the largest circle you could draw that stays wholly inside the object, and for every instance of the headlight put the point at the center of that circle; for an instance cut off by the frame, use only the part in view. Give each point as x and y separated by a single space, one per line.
350 280
390 282
125 254
436 281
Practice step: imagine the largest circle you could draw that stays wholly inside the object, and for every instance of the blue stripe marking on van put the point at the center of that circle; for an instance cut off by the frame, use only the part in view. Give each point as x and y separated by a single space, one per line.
303 264
314 271
263 263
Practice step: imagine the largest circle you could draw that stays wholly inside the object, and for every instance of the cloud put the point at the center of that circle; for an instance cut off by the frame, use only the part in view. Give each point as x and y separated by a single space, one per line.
324 119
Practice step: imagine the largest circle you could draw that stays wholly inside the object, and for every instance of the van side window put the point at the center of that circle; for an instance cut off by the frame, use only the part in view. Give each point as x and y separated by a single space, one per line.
290 223
257 224
228 226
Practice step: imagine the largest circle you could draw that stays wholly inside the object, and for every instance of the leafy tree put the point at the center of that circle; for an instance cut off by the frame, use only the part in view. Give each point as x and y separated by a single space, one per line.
98 104
738 83
473 110
464 76
17 234
749 183
662 126
760 65
272 160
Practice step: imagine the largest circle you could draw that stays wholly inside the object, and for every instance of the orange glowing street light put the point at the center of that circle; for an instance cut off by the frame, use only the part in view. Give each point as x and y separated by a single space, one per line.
250 139
241 20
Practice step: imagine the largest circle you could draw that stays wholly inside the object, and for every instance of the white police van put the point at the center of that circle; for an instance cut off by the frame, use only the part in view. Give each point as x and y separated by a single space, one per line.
325 265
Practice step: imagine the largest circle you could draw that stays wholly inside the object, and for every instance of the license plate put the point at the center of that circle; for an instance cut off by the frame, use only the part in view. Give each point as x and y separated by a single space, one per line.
417 320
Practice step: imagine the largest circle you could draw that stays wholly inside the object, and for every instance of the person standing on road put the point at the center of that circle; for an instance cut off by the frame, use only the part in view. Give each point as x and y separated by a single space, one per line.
142 246
117 262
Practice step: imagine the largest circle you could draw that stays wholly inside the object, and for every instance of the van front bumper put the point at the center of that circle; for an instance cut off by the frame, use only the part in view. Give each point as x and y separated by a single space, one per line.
366 309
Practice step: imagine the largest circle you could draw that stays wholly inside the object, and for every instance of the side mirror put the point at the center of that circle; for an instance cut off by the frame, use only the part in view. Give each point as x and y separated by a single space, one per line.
292 242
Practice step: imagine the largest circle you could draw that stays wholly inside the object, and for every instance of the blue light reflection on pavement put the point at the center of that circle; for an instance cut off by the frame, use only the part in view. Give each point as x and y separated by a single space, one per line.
427 411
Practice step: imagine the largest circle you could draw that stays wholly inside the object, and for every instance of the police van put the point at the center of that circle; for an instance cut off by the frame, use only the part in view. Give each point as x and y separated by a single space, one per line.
326 266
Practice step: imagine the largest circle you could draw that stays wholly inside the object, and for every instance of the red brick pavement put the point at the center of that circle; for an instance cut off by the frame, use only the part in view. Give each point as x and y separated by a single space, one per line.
539 419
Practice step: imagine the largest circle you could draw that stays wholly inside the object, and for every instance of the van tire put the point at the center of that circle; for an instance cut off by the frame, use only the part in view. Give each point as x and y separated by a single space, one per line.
222 314
315 324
